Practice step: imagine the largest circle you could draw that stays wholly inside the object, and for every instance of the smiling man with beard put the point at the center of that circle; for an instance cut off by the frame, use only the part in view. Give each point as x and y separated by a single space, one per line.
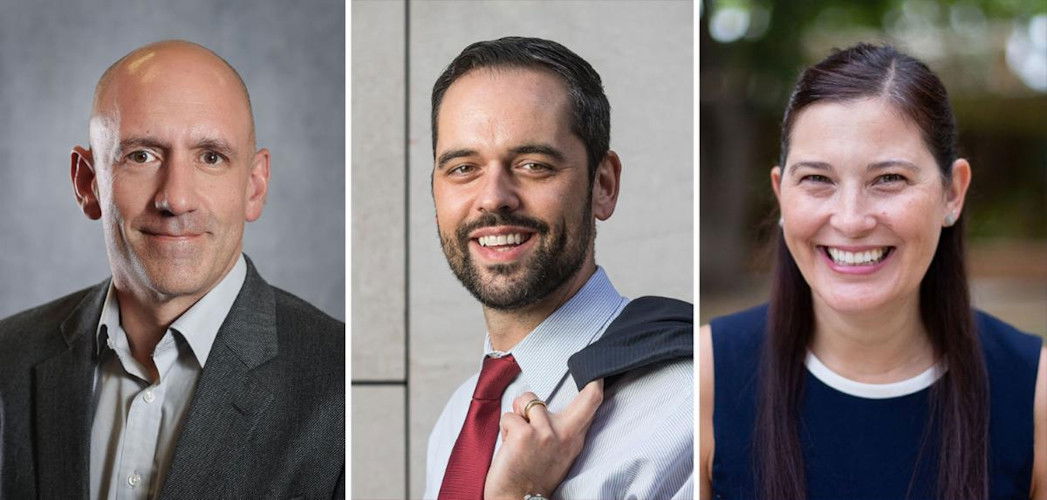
522 170
186 375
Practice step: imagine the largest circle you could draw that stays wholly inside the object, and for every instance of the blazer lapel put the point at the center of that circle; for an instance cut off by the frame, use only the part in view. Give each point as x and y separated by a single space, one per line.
62 403
229 400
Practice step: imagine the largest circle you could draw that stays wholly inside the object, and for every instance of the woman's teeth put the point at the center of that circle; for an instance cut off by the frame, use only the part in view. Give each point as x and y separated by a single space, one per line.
501 239
865 258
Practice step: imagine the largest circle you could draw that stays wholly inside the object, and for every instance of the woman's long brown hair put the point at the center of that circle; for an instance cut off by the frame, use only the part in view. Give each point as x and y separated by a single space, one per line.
959 400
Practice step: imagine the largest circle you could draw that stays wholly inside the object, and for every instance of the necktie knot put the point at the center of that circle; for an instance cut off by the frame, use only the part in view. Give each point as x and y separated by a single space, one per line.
495 375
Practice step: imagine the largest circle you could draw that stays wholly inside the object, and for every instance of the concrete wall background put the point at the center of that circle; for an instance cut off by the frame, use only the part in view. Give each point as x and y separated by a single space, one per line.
292 60
416 332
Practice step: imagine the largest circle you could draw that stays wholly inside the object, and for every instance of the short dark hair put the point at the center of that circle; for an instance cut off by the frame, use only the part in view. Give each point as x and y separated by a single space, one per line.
590 110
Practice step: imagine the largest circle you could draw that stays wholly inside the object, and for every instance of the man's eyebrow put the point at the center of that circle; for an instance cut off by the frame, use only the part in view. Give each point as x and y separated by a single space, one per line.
817 165
142 142
451 155
215 144
541 149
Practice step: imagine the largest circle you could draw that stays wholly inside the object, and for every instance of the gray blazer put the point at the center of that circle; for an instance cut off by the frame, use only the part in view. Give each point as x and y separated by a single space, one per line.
267 419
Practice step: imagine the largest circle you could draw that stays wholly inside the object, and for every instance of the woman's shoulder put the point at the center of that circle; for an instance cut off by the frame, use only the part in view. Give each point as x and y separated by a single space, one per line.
736 343
743 328
1012 360
1006 344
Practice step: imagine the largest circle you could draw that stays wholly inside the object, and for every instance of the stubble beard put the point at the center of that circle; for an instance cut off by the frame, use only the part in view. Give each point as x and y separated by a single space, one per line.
554 261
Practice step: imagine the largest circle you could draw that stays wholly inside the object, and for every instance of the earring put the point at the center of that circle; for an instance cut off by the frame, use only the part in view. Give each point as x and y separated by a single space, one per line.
950 220
781 222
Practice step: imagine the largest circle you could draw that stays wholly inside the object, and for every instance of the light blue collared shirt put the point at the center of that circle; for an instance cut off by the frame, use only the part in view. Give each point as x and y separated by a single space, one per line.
137 421
640 444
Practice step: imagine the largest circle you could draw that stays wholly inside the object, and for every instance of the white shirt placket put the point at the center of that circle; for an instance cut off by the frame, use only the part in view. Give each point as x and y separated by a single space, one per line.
145 415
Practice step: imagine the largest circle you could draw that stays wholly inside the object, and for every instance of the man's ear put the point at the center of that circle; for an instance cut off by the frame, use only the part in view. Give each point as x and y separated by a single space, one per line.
85 185
257 185
605 185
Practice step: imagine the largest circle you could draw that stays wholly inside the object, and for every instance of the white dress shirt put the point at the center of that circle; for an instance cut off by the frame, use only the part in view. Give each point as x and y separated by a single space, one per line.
640 444
137 421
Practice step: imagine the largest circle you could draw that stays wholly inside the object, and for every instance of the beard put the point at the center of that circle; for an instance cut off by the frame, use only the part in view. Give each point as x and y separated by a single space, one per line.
554 260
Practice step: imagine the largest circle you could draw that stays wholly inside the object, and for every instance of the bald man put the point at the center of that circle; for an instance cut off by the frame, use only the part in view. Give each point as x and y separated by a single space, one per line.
186 375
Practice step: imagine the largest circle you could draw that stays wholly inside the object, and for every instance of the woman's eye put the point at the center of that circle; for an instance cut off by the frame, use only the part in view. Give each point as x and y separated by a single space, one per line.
815 178
888 178
141 156
211 158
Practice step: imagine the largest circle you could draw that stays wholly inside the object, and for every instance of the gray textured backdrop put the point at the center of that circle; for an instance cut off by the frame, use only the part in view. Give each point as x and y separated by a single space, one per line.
292 59
417 334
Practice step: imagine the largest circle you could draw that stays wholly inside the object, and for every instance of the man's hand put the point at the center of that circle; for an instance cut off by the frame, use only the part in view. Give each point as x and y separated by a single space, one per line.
535 456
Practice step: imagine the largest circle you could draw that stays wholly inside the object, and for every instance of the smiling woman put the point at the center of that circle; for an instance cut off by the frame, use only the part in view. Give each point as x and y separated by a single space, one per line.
862 203
868 375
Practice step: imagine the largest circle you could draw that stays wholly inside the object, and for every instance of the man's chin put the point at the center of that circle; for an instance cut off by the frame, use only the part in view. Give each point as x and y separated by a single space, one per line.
173 280
504 301
506 287
503 272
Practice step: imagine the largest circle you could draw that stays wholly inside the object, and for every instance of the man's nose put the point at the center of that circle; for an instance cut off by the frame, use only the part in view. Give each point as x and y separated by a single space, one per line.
853 213
499 190
177 191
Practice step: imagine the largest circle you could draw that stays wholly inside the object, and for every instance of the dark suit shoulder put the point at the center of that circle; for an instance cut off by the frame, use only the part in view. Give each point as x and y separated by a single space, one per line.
43 317
309 328
292 307
36 331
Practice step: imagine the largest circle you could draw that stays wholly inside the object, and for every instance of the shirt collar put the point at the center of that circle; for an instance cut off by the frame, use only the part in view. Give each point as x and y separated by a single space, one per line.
543 353
199 324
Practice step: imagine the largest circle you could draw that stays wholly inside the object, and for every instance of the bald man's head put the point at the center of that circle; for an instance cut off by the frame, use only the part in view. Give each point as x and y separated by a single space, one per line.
172 170
164 64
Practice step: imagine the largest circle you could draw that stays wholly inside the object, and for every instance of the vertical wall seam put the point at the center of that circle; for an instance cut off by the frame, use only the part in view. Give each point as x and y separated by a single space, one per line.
407 248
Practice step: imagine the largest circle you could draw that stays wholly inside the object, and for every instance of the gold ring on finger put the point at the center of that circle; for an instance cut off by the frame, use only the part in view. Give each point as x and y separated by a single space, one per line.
530 404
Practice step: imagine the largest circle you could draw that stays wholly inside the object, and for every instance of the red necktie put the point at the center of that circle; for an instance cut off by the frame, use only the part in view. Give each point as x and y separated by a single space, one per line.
472 452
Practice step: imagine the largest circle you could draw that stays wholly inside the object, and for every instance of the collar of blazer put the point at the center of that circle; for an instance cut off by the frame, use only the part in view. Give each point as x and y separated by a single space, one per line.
227 401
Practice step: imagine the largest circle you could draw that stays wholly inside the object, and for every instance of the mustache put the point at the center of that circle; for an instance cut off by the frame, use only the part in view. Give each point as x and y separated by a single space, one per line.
180 225
491 219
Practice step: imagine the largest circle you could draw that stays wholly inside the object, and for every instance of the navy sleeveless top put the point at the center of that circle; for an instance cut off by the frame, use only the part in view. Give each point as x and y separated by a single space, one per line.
861 448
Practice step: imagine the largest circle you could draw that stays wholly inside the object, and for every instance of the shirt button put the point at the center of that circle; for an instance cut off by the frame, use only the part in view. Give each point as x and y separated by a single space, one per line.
134 479
148 396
